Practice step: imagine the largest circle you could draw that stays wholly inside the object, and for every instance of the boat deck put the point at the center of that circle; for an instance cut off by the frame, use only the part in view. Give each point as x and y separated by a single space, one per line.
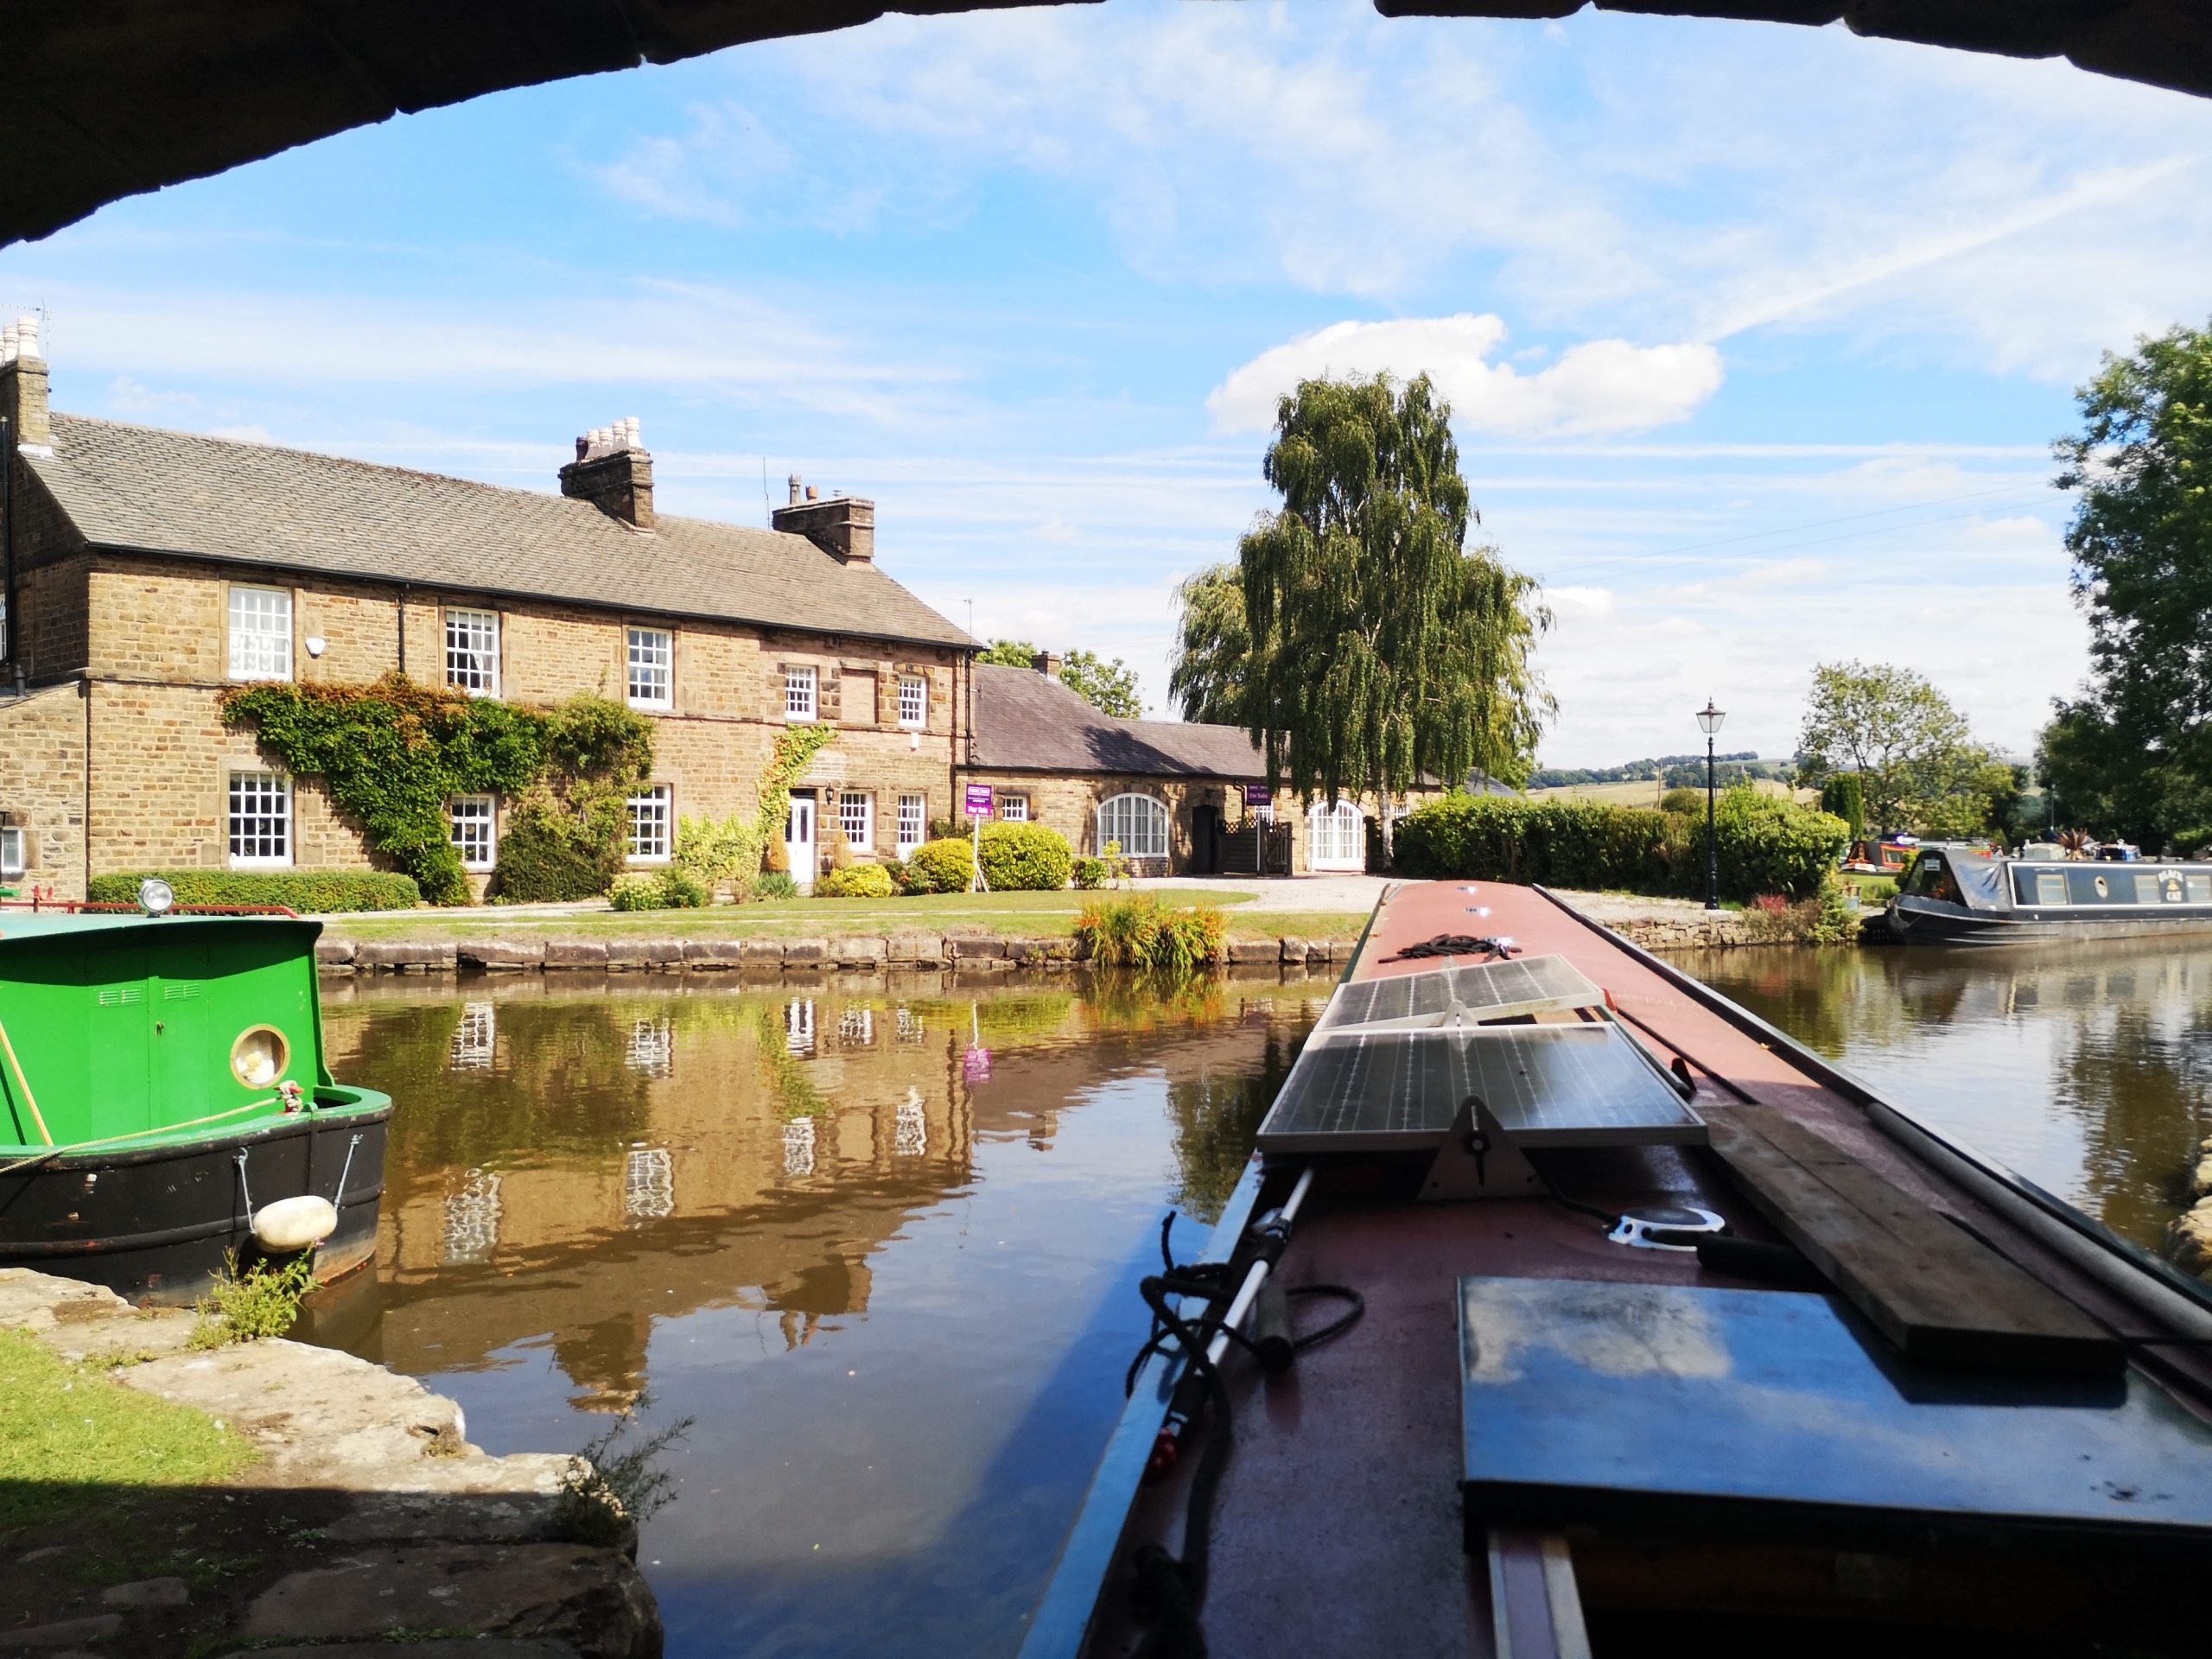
1338 1526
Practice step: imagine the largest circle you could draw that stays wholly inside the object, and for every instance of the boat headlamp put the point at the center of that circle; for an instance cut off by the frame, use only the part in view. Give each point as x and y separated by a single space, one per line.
258 1057
155 896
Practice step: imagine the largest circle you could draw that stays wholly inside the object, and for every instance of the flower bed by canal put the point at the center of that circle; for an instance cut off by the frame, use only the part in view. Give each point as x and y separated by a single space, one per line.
877 1236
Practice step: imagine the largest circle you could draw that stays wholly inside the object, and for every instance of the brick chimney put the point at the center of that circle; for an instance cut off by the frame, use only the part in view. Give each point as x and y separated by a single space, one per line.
23 384
843 526
1046 663
613 472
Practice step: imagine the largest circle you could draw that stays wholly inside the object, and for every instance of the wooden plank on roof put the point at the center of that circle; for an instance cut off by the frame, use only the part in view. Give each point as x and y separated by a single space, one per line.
1936 1291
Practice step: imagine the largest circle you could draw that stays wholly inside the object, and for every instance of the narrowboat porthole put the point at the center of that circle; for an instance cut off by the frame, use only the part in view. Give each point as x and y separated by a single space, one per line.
2104 888
258 1057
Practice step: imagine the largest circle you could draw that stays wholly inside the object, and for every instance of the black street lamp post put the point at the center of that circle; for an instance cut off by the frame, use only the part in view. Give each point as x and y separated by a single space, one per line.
1709 719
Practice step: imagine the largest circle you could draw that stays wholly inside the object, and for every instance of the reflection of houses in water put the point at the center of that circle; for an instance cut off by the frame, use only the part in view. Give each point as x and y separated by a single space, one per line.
473 1038
652 1047
648 1184
798 1147
856 1027
471 1220
795 1169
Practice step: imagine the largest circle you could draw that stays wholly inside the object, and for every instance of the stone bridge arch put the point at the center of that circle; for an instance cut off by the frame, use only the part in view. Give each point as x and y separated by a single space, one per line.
107 98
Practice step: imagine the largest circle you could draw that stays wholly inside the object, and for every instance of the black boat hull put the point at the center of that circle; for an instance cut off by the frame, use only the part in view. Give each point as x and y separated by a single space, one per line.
1928 921
154 1224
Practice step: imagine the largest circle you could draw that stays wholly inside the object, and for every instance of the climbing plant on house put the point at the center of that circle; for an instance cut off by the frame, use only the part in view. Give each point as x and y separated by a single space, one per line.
726 851
394 754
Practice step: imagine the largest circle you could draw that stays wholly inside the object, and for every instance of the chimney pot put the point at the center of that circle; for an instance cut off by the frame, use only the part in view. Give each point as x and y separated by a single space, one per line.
794 483
1046 663
23 384
812 494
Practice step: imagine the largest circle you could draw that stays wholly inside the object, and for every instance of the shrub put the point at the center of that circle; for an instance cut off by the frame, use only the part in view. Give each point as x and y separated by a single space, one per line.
1026 858
669 889
775 884
855 881
552 852
309 892
605 1494
1141 933
1825 918
1090 874
244 1306
946 866
1765 844
1688 802
723 853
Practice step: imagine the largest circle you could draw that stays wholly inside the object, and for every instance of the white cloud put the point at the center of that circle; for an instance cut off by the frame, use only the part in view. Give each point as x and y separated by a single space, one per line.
1603 385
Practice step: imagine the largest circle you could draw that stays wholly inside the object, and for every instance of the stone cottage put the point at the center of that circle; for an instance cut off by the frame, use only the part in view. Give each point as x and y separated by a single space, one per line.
146 571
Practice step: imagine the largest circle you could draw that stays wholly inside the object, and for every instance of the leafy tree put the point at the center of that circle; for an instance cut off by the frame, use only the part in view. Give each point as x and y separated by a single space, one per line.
1918 763
1009 653
1213 647
1846 796
1109 687
1383 646
2132 755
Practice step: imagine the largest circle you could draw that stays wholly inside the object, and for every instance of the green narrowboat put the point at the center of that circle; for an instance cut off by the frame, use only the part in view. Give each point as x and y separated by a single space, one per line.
164 1101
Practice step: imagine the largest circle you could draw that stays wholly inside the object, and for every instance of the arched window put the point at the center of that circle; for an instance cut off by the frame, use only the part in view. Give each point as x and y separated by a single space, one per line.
1337 837
1138 822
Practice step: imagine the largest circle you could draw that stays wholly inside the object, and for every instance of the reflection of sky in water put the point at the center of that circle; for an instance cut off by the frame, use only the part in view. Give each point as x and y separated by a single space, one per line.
2088 1068
895 1292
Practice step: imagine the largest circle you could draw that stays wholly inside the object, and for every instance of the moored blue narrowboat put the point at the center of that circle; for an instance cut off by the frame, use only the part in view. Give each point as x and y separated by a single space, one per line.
1952 897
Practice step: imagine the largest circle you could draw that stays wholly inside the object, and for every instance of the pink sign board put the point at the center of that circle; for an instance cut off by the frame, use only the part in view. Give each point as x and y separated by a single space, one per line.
979 800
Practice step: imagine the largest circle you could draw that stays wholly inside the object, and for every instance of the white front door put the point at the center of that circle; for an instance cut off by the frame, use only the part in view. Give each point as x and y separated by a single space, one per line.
799 840
1337 837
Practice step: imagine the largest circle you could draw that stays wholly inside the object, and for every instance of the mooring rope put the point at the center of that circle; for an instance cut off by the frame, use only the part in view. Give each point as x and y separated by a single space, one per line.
24 1083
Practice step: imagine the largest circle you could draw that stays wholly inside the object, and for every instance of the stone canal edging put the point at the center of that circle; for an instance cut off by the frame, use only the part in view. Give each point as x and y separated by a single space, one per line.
434 1535
920 952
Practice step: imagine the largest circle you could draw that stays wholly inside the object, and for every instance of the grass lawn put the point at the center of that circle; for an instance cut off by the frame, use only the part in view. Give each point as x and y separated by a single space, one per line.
72 1429
1019 915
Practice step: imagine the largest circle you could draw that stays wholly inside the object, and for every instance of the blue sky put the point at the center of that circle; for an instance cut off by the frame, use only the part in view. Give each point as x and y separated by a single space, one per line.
1757 336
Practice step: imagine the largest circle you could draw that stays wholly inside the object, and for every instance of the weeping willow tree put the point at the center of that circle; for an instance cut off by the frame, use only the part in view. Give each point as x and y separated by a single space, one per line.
1384 649
1212 654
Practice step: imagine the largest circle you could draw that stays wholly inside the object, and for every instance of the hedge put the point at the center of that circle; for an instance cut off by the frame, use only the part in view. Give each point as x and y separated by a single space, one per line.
855 881
317 892
1765 844
1026 858
673 888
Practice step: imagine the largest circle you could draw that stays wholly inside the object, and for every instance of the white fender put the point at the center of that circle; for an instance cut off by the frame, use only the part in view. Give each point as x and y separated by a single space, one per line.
295 1224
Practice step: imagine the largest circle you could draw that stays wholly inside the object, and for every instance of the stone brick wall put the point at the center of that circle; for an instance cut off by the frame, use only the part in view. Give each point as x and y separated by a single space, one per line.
1070 803
42 785
158 655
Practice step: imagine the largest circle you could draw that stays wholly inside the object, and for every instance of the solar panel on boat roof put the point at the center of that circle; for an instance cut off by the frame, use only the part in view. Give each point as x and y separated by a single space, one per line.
1585 1085
1485 991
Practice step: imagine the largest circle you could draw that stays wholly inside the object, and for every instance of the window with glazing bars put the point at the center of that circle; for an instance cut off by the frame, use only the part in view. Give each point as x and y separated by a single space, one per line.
474 836
652 667
472 652
913 821
856 817
648 826
799 686
261 818
1138 822
13 861
1014 809
261 633
913 701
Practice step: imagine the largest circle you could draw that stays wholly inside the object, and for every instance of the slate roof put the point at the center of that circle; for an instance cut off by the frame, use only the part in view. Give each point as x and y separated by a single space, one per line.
1027 722
141 489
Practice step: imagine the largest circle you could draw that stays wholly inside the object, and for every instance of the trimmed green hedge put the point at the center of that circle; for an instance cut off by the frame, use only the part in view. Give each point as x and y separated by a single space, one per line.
946 866
855 881
1026 858
314 892
1765 844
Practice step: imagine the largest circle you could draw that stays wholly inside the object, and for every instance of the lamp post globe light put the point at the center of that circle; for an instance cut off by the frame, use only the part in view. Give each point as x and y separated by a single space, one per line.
1709 719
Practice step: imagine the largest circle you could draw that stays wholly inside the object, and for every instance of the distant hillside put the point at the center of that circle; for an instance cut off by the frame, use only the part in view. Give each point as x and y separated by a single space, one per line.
1673 771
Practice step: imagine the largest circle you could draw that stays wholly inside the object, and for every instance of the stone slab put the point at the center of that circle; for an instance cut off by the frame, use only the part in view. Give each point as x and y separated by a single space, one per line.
644 956
563 955
334 953
146 1592
503 956
713 956
1292 950
858 951
760 951
592 1599
806 951
970 946
59 1637
915 947
405 956
1252 951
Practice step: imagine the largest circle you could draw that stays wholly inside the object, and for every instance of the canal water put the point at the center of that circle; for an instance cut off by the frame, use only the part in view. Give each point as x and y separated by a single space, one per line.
879 1246
2086 1068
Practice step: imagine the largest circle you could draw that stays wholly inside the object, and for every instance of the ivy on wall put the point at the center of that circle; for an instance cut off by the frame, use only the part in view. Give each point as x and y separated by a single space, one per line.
726 852
392 755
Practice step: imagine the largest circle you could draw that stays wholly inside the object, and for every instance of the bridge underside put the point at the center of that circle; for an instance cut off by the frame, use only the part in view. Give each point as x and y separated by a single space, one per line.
107 98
